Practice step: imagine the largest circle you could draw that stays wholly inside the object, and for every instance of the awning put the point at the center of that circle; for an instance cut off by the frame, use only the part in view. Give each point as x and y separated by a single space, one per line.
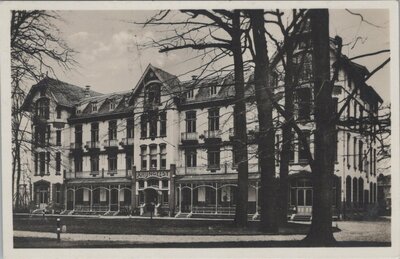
99 181
214 178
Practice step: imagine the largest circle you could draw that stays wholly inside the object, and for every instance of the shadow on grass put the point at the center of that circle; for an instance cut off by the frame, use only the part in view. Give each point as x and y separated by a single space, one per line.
149 227
22 242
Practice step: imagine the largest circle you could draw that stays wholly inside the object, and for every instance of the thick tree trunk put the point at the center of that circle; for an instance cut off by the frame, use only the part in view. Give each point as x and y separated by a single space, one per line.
286 137
240 140
266 138
320 233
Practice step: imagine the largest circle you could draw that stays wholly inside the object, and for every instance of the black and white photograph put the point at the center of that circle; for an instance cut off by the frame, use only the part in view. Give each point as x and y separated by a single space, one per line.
224 127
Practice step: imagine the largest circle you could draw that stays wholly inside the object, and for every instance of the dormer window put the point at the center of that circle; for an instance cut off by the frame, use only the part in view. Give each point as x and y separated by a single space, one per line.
78 112
213 90
112 106
190 94
94 107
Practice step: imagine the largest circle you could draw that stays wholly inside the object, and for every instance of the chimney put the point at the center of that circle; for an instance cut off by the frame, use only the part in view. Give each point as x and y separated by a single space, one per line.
87 89
194 77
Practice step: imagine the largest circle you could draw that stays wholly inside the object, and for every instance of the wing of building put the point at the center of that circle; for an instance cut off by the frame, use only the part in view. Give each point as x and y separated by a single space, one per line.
169 143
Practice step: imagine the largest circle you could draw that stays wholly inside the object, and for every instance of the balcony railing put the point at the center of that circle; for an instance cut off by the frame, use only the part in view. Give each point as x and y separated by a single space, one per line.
92 144
111 143
98 174
76 145
189 136
210 134
127 141
225 168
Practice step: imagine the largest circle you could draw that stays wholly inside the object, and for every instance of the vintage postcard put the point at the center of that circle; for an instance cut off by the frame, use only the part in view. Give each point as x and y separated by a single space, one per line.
204 129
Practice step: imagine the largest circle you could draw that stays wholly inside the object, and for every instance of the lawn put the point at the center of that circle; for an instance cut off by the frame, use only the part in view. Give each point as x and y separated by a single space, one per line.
146 226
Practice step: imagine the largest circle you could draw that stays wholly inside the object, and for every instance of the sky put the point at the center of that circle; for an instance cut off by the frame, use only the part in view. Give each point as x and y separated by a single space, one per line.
110 58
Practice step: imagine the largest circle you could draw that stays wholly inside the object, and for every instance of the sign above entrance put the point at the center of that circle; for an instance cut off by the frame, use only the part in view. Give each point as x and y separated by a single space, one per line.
154 174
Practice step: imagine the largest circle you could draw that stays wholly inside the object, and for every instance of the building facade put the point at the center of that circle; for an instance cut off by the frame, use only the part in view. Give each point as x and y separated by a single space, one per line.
169 143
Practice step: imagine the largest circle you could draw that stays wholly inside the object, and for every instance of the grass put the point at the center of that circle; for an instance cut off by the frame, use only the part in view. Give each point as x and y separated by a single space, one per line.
23 242
146 226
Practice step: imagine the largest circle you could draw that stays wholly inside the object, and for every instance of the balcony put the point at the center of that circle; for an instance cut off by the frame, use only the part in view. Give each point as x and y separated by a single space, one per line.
127 142
212 134
92 145
111 143
98 174
189 136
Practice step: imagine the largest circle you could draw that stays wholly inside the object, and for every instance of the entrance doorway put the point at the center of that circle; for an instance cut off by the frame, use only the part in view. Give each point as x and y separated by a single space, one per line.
304 200
42 193
114 200
150 195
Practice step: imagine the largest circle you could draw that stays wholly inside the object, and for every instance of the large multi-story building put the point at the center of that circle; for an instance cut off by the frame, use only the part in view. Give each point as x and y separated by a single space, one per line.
170 143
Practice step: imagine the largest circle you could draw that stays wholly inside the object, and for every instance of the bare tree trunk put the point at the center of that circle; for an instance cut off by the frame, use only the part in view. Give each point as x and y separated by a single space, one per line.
240 142
286 137
17 194
320 233
266 138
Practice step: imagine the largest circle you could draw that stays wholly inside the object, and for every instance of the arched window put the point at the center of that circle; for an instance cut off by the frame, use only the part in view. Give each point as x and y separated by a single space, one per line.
361 191
355 191
348 189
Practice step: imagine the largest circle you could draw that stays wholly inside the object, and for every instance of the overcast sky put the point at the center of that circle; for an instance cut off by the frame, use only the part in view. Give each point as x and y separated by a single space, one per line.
109 59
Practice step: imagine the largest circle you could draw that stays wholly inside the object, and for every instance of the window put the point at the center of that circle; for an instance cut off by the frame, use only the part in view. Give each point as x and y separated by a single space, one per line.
94 163
143 154
130 128
78 164
42 108
143 126
163 156
153 125
348 150
355 109
163 124
190 94
94 106
40 136
291 148
213 89
48 132
360 125
58 137
78 136
112 130
36 161
336 145
213 119
153 156
374 169
94 132
191 121
360 155
112 105
141 184
354 152
58 163
57 198
128 161
191 158
277 149
58 113
112 162
42 157
48 163
302 150
153 94
304 103
213 158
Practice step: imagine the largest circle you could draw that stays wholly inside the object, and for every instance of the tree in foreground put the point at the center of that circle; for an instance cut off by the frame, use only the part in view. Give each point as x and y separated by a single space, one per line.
35 49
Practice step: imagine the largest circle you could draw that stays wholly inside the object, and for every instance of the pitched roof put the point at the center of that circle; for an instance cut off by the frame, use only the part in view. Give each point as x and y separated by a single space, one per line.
65 94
